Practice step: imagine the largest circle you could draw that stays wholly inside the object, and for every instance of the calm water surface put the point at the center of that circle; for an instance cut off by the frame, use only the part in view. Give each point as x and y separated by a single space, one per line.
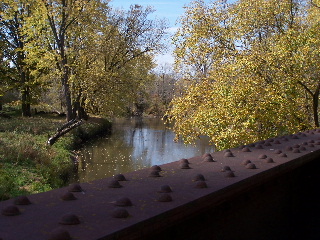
134 144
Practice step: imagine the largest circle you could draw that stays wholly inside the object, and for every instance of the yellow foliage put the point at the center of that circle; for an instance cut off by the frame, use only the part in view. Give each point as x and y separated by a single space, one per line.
263 79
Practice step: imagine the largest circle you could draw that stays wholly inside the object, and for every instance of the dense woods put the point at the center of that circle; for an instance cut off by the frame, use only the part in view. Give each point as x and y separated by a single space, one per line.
245 71
252 68
77 56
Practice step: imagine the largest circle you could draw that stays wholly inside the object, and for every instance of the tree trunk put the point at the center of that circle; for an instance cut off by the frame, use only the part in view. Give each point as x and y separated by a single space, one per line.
0 103
64 129
66 88
67 97
315 104
79 111
25 99
24 78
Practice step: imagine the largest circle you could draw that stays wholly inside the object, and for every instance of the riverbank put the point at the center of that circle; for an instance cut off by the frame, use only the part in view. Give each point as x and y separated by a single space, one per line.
28 165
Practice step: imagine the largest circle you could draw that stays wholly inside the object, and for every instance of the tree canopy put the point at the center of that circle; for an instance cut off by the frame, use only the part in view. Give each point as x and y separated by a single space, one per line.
81 53
262 67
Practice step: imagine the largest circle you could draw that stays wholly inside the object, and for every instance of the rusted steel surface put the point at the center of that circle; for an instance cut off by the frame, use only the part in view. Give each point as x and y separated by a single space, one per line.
137 204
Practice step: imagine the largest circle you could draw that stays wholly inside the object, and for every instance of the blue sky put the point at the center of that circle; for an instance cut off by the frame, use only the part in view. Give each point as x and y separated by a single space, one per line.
170 10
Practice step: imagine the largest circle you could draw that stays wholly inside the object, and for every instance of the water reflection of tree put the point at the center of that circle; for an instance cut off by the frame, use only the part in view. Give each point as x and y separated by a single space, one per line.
135 143
105 158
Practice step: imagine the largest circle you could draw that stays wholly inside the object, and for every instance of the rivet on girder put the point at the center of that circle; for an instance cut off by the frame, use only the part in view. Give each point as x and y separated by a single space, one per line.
296 150
206 154
69 219
123 202
75 187
302 148
68 196
199 177
165 189
283 155
156 168
262 156
119 177
245 162
164 197
277 151
22 200
201 184
269 160
225 168
277 142
245 149
267 144
229 174
289 148
114 184
120 213
251 166
184 166
228 154
154 174
184 160
11 211
59 234
208 158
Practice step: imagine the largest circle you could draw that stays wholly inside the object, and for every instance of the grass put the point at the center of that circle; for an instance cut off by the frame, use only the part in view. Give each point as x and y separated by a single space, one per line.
27 164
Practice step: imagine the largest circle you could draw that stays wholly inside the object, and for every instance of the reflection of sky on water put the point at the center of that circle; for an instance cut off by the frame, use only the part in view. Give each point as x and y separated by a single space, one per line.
135 144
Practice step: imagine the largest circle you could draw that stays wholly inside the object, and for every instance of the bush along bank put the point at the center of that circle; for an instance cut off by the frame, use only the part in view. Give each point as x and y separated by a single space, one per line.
28 165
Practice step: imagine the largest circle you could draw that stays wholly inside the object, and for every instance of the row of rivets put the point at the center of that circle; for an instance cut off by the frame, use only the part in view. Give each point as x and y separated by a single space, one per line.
71 219
184 165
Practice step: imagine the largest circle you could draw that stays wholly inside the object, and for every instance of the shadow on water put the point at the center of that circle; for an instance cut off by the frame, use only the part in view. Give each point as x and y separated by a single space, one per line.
134 144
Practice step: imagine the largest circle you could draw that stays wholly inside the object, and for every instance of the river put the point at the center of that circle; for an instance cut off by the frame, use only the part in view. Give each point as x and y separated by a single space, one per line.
134 144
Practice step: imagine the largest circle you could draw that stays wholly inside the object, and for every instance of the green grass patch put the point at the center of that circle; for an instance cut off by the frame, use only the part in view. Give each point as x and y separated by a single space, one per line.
28 164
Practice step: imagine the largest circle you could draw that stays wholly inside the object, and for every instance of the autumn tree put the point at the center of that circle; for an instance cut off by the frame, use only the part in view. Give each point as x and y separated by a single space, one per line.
263 80
203 40
64 20
162 90
99 54
120 60
15 70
